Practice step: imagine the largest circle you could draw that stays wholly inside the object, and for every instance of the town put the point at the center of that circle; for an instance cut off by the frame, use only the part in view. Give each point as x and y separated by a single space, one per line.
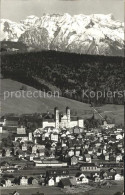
61 150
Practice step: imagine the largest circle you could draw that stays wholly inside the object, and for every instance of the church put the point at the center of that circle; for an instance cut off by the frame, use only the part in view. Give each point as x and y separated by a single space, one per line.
58 120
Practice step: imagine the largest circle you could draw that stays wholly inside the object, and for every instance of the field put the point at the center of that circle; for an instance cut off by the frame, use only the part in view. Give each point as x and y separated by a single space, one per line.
108 191
32 190
39 105
79 190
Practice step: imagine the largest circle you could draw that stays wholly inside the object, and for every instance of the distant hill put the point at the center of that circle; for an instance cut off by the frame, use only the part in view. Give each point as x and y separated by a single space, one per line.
40 105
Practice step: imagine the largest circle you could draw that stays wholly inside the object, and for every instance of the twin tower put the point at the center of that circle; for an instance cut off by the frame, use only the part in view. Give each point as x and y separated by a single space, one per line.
62 120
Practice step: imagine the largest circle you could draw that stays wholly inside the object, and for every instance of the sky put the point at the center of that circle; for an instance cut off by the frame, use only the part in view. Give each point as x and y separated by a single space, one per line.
17 10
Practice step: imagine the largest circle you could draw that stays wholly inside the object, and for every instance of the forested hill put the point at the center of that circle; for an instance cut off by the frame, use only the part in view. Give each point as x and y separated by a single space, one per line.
51 70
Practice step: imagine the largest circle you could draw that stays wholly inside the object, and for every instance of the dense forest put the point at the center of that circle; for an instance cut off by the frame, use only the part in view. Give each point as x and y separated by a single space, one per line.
63 71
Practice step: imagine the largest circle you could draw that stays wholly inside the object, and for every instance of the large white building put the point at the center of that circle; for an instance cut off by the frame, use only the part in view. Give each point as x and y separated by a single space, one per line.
62 121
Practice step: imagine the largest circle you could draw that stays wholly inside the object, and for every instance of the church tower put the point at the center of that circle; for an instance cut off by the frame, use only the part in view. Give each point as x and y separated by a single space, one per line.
56 112
68 116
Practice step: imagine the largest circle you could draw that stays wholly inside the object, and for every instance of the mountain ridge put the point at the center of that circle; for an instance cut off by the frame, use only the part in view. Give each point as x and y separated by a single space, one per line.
95 34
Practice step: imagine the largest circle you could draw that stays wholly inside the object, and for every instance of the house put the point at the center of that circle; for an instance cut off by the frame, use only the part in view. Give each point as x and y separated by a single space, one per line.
104 175
107 175
6 183
105 156
51 182
84 180
95 174
57 179
87 158
34 181
41 152
54 137
31 157
118 158
77 152
64 183
21 130
90 151
24 147
118 177
70 152
23 181
73 160
119 137
7 152
76 130
112 170
97 179
37 133
81 178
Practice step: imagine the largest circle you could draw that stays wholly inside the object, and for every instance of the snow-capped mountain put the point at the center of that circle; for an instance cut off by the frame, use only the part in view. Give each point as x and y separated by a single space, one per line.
86 34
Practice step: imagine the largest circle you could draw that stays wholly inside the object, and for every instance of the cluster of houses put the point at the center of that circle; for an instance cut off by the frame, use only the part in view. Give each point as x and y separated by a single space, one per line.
65 146
84 145
63 179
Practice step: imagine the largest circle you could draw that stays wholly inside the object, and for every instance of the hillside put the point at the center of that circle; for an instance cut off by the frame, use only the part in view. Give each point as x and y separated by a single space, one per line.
95 34
40 105
52 70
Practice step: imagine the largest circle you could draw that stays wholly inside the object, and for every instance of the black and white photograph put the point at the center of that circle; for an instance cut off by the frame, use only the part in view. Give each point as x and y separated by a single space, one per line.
62 97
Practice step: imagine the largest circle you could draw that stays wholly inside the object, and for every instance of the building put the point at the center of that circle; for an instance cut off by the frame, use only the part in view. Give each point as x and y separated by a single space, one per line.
89 167
82 179
107 126
7 183
51 182
1 129
23 181
54 137
118 177
73 160
24 147
30 136
87 158
11 121
64 183
49 163
21 137
57 172
21 130
62 121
